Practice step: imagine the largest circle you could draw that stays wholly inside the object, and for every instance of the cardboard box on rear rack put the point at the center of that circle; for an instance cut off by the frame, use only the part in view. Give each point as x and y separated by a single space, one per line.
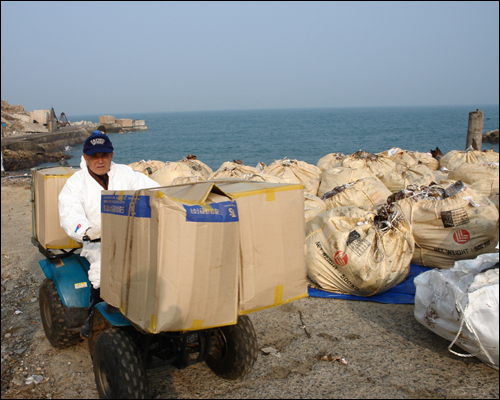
195 256
47 183
272 239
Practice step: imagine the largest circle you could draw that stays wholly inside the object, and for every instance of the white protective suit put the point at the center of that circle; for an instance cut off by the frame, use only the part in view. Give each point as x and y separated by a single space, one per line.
80 207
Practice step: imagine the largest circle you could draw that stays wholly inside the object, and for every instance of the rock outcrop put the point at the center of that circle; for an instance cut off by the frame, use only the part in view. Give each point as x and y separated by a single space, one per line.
16 160
27 151
26 144
14 119
491 137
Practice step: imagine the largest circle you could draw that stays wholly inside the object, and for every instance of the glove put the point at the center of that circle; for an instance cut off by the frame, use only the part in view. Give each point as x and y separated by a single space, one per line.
95 274
92 252
93 233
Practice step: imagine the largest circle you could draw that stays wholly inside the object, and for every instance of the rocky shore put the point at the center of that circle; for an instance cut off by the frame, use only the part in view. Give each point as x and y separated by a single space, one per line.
491 137
26 144
21 152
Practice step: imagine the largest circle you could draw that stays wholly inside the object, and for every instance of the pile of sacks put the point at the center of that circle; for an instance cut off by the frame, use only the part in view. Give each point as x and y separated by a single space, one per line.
368 216
445 211
284 170
187 170
436 212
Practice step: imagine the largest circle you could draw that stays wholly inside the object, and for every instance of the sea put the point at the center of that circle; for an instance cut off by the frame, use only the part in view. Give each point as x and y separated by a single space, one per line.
254 136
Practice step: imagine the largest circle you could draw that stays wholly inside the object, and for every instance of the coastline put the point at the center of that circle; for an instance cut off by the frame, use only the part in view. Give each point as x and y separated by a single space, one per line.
26 151
388 353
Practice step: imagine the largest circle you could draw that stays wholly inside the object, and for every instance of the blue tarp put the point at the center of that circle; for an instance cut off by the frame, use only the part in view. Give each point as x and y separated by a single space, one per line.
404 293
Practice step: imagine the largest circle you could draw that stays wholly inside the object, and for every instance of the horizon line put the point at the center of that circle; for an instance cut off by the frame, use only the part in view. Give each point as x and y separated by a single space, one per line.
284 109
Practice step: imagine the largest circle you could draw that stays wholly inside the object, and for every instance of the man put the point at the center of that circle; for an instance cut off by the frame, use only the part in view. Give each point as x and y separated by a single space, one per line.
63 162
80 203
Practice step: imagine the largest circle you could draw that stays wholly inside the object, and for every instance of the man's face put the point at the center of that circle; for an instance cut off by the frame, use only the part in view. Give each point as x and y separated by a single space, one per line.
99 163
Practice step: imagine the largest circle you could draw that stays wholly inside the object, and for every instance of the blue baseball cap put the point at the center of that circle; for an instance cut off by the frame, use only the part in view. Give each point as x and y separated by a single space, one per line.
97 142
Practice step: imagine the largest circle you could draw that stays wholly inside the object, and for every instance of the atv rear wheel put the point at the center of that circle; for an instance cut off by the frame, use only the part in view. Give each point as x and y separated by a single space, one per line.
118 368
52 313
234 349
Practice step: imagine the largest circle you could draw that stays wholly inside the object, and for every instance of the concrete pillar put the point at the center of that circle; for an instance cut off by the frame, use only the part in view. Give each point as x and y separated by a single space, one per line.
475 130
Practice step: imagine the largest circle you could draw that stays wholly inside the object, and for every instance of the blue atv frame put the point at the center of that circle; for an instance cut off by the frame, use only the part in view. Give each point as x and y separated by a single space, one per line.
121 352
67 272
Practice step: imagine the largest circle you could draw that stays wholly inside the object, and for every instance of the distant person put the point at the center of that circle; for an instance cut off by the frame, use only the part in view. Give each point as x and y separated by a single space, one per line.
63 162
80 204
101 128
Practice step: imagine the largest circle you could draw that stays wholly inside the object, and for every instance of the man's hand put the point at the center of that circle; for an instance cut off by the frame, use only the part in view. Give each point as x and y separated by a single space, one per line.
93 233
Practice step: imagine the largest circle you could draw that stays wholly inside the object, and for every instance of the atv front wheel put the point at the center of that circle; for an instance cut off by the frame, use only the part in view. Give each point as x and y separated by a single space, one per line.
118 368
52 312
234 349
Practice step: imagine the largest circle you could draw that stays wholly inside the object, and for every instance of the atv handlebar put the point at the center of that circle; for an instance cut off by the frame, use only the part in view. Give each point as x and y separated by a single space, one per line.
85 238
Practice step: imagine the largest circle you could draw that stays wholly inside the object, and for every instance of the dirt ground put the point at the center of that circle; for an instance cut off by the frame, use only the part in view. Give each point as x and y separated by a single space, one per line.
386 352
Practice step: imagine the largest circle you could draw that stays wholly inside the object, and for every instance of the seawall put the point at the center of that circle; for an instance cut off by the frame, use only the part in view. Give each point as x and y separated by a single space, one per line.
28 151
46 142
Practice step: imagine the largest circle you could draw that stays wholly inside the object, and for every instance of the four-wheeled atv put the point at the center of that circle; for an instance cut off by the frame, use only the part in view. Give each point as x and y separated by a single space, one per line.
122 352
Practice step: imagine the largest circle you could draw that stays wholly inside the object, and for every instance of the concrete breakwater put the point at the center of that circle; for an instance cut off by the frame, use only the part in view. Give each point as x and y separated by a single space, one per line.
46 142
27 151
20 152
33 138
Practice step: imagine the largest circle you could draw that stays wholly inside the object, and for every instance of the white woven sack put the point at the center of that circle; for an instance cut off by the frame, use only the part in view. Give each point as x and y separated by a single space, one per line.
481 177
454 158
404 175
349 251
233 170
262 177
331 160
313 205
426 159
461 305
198 167
175 173
294 171
495 199
363 192
338 176
378 165
399 156
459 227
148 168
491 155
411 158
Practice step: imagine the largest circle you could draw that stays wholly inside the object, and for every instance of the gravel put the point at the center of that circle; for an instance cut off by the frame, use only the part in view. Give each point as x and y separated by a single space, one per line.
327 348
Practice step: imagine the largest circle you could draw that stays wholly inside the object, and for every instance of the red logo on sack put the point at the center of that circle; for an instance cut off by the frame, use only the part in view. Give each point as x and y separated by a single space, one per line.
341 258
461 236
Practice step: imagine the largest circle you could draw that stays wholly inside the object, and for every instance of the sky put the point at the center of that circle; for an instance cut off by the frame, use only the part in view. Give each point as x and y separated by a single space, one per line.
129 57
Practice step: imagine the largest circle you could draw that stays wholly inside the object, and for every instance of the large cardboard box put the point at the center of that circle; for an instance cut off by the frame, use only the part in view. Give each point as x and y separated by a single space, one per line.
193 256
47 184
170 257
272 237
